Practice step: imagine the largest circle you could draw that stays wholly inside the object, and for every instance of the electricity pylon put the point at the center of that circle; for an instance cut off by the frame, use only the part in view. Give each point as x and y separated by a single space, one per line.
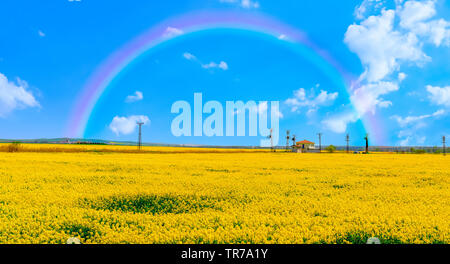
443 145
140 135
320 141
287 140
347 138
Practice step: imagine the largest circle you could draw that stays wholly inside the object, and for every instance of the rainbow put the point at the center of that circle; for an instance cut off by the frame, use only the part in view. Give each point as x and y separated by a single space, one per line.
173 28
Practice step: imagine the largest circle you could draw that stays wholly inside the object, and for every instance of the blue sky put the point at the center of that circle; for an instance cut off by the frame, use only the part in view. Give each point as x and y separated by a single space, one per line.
398 52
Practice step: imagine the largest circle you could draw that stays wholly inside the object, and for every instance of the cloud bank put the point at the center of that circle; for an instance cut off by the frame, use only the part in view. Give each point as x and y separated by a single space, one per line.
15 96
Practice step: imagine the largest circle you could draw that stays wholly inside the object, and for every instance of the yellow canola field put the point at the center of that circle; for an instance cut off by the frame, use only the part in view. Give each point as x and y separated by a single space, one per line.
223 198
4 147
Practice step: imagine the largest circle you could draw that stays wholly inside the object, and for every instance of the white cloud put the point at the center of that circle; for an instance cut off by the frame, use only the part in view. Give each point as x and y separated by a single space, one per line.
381 48
403 122
439 95
411 125
402 76
126 125
339 123
249 4
366 6
14 96
172 32
311 112
416 17
41 33
137 96
301 100
386 41
263 106
189 56
367 97
413 12
243 3
212 65
410 135
222 65
324 97
407 141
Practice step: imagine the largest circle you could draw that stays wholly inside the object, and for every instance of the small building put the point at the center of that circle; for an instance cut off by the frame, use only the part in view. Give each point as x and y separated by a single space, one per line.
304 146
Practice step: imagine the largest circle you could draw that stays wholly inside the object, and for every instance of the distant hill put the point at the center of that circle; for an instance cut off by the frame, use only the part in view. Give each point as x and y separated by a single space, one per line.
109 142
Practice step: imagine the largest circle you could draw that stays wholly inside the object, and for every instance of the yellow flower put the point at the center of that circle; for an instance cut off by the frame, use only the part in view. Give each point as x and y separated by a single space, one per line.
110 194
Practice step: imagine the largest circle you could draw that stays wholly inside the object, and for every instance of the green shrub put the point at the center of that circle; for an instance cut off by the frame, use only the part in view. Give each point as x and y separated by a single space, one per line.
331 148
437 150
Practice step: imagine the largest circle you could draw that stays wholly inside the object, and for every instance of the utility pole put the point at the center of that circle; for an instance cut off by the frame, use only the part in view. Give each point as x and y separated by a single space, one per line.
140 135
320 141
293 141
367 143
443 145
271 140
287 140
347 138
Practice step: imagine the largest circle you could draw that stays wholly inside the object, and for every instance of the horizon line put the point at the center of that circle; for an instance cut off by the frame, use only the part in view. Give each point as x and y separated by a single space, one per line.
87 141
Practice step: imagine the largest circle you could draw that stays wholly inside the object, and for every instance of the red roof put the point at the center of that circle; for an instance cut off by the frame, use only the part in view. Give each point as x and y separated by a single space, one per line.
305 142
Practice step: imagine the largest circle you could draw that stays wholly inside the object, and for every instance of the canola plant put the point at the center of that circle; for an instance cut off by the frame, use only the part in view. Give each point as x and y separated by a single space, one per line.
107 197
